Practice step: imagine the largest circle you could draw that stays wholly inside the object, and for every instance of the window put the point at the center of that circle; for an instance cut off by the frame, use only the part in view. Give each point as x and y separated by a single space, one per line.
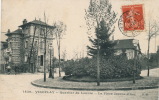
25 58
35 43
41 45
41 60
10 44
26 44
27 30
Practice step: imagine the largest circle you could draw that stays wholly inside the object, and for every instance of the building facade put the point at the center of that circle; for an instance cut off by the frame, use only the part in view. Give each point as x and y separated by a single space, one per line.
27 44
130 47
4 58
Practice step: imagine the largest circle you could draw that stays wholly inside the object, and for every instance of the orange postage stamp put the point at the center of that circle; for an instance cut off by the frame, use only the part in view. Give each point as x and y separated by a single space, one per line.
133 18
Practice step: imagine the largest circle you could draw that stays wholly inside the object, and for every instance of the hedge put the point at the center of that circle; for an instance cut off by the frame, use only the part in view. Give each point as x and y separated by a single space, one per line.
110 67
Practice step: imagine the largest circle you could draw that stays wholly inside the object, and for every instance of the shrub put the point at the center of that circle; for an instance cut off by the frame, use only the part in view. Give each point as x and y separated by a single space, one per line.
68 68
20 68
112 67
80 69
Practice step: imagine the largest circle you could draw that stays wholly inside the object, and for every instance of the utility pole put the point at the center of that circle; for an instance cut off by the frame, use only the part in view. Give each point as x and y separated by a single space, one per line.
45 36
45 58
50 72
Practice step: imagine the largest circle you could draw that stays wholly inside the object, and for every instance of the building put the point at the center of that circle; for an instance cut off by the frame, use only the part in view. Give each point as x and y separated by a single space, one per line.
4 56
154 57
129 46
15 43
26 44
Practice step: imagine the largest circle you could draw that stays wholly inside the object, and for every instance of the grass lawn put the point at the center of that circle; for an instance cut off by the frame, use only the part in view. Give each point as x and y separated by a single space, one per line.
91 79
145 82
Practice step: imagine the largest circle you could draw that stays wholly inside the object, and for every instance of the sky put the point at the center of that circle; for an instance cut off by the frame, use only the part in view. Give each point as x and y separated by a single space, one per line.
72 13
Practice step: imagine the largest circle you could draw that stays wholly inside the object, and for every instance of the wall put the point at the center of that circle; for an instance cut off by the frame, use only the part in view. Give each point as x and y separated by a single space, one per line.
16 45
2 61
129 53
38 47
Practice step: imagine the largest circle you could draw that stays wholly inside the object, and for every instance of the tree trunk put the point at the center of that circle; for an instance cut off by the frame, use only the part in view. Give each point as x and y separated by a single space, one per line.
29 58
45 59
158 58
98 68
53 63
148 55
59 60
50 71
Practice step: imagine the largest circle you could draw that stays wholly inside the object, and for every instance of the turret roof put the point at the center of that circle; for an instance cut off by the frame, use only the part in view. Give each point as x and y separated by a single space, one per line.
37 22
18 31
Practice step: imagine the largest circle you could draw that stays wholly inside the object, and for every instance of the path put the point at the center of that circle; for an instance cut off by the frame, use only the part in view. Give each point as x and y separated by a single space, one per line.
18 87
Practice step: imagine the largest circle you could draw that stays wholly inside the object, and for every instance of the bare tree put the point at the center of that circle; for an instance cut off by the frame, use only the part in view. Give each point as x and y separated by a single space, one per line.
31 51
59 32
64 54
99 10
153 31
46 29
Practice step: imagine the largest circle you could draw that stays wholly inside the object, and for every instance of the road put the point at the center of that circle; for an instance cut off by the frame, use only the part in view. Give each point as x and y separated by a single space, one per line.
18 87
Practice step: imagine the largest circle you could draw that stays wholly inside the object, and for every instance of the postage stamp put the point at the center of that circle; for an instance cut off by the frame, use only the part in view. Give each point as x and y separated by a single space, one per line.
132 20
133 17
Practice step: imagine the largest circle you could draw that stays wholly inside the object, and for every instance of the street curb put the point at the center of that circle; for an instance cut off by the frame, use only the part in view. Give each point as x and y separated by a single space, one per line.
93 89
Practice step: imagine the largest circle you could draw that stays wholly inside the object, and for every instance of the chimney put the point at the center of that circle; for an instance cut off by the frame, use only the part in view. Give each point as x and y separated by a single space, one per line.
8 30
24 21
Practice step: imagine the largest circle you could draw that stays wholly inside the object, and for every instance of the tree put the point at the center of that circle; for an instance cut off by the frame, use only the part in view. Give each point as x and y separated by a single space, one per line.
64 55
30 57
59 32
153 31
100 10
105 45
47 32
153 60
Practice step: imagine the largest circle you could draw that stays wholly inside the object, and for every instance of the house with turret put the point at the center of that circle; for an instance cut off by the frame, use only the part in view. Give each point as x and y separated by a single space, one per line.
26 45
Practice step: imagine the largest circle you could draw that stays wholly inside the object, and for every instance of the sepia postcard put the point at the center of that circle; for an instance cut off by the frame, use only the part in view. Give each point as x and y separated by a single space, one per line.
79 50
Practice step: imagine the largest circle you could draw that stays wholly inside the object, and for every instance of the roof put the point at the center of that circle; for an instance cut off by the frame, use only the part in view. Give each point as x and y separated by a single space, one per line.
125 44
37 22
18 31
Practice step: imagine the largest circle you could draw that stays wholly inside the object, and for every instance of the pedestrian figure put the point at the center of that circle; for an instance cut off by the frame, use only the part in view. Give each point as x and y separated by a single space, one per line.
15 69
8 69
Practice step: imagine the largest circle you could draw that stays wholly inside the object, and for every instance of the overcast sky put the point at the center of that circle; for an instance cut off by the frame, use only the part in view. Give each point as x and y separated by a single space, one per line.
72 13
